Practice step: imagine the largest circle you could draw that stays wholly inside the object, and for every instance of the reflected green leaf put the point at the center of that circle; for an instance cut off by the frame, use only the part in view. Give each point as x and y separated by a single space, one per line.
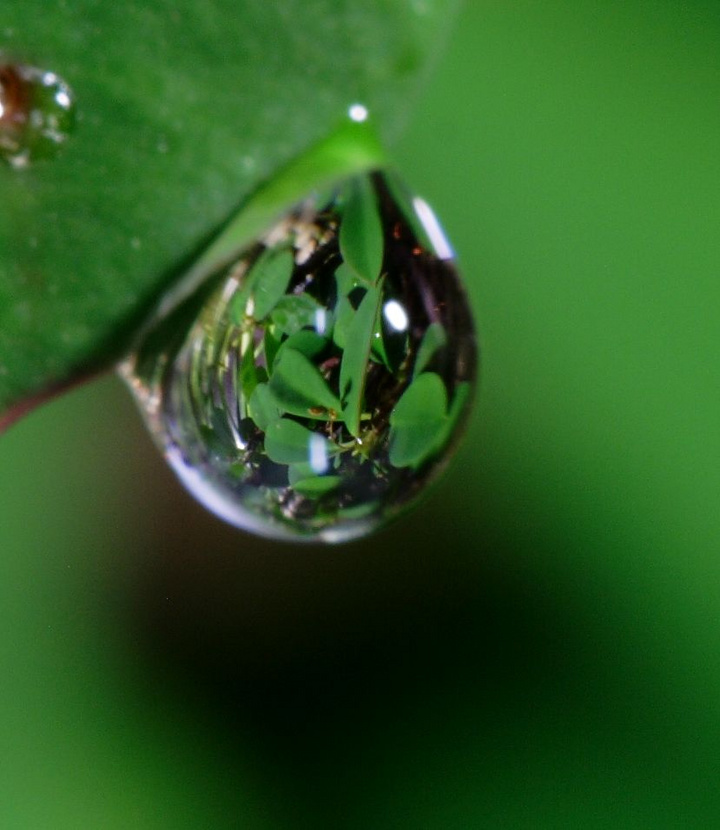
264 283
299 471
287 442
272 273
248 374
361 233
359 511
353 368
418 421
308 343
346 279
262 406
271 345
292 313
344 316
299 388
317 485
433 340
458 407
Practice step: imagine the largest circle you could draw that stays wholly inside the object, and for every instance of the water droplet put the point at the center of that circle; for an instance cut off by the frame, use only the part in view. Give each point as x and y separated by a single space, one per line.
37 113
312 389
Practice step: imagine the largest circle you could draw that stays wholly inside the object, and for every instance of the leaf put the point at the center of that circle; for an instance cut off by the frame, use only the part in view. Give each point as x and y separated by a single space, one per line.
296 312
349 295
418 421
353 369
271 345
248 373
300 389
346 279
317 485
263 285
345 314
262 406
433 340
271 277
299 471
287 442
361 231
185 110
308 343
359 511
458 409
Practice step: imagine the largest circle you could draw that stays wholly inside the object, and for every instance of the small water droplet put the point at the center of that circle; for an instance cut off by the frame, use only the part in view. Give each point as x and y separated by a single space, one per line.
314 388
37 113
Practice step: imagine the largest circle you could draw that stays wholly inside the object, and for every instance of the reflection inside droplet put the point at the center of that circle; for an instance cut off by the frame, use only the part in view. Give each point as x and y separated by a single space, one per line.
313 389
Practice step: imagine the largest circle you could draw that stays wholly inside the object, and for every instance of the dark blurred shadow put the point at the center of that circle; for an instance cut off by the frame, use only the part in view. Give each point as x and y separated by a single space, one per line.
319 658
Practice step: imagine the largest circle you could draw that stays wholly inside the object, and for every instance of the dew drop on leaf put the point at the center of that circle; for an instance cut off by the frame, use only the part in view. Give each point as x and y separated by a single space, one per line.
313 388
37 113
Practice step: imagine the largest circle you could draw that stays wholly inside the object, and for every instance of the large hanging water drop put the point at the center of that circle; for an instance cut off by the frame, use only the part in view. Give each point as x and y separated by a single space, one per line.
311 390
37 113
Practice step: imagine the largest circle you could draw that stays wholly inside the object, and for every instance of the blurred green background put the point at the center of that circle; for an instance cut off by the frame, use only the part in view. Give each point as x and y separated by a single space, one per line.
539 645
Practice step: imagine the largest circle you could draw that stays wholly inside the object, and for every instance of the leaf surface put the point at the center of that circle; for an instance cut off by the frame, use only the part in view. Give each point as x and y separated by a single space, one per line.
299 388
184 109
353 369
419 421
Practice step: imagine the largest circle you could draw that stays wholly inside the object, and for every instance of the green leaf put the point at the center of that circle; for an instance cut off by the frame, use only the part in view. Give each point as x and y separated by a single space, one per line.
264 284
271 345
433 340
344 316
262 406
317 485
353 369
299 471
347 284
359 511
184 112
248 373
361 232
346 279
308 343
418 421
287 442
296 312
458 409
300 389
271 277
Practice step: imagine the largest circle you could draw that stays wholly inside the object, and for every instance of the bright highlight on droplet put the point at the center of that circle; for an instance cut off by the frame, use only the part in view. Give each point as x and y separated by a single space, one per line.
321 320
317 385
358 113
432 228
63 100
396 315
317 446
